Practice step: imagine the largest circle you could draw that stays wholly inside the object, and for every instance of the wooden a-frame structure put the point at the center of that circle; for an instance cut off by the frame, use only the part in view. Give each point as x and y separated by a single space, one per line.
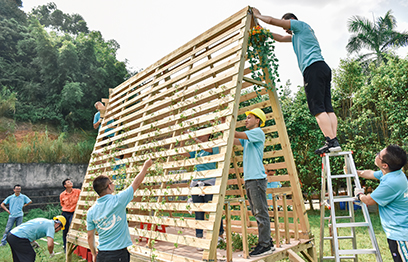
195 86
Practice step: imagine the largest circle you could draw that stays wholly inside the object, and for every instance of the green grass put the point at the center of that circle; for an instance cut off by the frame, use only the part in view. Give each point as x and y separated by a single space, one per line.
363 240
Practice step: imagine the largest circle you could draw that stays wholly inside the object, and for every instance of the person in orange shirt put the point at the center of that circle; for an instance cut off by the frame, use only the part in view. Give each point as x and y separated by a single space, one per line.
68 199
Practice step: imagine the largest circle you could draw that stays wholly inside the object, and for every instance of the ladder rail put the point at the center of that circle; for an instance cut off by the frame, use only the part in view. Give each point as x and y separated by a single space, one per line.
332 209
350 192
366 213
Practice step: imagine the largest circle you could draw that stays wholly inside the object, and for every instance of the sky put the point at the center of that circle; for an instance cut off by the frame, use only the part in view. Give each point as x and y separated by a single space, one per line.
149 30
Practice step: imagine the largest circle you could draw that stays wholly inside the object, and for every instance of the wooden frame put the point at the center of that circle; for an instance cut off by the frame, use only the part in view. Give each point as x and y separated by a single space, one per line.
194 87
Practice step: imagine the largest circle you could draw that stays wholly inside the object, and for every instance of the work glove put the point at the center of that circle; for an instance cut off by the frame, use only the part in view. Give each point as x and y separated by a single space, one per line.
358 192
34 244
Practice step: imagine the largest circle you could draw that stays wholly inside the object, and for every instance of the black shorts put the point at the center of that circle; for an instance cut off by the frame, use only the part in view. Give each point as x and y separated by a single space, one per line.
122 255
399 250
317 78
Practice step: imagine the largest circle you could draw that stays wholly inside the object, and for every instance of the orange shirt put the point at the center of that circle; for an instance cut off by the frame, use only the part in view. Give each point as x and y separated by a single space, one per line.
69 200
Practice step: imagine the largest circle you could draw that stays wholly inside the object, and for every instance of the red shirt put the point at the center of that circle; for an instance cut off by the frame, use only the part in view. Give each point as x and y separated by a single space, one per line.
69 200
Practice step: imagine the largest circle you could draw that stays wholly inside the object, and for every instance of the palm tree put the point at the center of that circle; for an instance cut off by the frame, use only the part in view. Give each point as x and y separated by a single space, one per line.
377 36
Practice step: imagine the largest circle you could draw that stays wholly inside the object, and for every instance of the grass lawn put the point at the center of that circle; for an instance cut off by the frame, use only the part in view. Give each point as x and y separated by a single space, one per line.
363 240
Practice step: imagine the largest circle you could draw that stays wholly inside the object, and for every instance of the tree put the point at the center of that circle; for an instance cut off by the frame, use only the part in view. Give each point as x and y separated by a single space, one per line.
51 17
378 36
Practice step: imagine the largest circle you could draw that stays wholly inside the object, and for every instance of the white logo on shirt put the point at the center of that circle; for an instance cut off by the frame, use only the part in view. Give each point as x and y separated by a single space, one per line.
105 224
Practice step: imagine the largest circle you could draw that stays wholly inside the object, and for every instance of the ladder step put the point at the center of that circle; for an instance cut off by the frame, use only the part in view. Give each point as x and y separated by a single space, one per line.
342 257
353 224
339 237
338 217
344 176
343 199
339 153
357 251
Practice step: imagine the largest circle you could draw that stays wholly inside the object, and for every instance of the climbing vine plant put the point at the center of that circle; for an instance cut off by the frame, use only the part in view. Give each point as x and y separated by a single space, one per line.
261 56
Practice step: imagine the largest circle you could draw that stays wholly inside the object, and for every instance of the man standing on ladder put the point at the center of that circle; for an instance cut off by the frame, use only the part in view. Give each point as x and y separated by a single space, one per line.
392 198
316 74
253 141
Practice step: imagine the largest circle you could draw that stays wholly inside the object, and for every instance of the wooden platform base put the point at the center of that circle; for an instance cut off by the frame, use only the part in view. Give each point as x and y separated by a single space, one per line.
166 251
192 254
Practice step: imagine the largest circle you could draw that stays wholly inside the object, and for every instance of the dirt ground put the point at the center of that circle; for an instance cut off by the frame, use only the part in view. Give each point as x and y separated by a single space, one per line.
23 130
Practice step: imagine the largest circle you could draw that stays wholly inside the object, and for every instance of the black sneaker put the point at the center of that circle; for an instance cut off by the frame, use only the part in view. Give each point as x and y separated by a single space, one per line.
272 246
325 148
261 251
334 145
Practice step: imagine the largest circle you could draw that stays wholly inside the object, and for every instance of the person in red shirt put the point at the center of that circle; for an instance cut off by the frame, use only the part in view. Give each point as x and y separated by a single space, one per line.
68 199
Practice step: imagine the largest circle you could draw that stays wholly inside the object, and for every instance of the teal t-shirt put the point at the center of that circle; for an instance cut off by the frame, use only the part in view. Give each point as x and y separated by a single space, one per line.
392 198
96 119
35 229
206 166
305 44
16 204
108 217
253 154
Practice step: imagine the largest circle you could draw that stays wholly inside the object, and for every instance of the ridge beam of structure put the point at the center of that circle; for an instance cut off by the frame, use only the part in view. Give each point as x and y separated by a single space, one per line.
256 82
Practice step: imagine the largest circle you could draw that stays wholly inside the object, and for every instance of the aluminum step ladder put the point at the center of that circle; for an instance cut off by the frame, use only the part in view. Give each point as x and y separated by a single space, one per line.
350 174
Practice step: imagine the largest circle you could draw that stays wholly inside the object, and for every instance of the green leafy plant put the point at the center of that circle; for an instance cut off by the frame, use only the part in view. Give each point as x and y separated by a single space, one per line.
262 57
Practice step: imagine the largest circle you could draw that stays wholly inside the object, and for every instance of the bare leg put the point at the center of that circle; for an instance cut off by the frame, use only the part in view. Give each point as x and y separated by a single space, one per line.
327 123
333 121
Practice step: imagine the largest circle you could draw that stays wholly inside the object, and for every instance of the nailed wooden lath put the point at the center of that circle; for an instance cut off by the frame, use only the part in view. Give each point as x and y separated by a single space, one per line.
194 86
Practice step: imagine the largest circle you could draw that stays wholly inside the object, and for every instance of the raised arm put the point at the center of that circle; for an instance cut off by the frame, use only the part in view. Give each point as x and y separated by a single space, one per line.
139 178
285 24
367 174
282 38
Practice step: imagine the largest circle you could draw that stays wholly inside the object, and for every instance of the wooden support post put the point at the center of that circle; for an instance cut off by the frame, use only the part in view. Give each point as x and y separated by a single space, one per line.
228 231
286 219
276 218
295 222
70 249
244 228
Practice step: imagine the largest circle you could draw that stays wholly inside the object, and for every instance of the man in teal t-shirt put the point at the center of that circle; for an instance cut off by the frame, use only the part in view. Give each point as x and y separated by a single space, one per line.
108 217
16 203
392 198
316 74
98 120
20 238
253 141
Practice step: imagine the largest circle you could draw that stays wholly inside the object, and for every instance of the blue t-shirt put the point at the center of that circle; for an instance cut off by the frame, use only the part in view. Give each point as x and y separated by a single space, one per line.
253 154
108 217
16 204
96 119
392 198
305 44
35 229
272 185
206 166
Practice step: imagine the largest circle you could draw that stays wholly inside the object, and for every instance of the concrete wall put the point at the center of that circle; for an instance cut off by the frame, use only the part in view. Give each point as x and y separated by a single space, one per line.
40 182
